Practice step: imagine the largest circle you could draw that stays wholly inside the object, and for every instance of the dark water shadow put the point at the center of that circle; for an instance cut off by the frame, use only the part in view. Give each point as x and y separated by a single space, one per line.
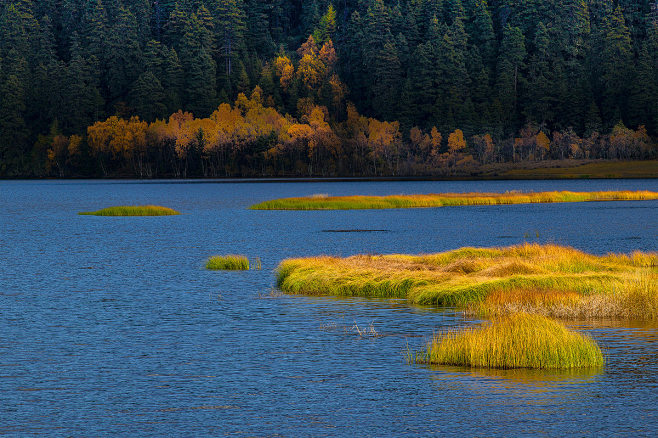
356 231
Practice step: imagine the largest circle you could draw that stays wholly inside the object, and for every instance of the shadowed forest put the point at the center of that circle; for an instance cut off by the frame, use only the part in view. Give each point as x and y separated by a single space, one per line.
219 88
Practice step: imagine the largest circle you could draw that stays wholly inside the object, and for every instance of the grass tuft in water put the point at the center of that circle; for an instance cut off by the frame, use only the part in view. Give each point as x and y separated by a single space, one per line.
517 341
229 262
546 279
132 210
325 202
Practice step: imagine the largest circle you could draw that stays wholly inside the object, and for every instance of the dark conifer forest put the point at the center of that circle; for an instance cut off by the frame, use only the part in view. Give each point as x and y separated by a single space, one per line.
219 88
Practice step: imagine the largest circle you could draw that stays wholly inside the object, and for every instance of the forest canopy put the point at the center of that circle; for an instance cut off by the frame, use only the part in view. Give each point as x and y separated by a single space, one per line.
353 87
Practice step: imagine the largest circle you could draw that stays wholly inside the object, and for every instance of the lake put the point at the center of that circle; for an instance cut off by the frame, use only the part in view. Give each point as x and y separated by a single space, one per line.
112 326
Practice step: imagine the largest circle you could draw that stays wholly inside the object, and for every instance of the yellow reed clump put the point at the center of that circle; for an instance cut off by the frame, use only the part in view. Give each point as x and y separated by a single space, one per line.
229 262
133 210
445 200
517 341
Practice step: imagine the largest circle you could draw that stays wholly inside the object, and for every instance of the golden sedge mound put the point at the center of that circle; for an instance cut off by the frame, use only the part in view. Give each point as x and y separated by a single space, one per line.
517 341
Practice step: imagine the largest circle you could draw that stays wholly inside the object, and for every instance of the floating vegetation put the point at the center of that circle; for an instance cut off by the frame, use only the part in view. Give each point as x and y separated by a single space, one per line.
546 279
133 210
517 341
229 262
316 202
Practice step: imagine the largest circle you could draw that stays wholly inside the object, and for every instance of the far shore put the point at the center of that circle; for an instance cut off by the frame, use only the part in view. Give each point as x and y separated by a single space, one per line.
536 170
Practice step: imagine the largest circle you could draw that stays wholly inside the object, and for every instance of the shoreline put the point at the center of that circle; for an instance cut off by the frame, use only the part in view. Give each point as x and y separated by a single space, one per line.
531 171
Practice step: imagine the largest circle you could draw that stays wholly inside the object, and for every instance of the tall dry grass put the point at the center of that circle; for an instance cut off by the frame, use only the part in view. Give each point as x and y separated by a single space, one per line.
546 279
517 341
446 199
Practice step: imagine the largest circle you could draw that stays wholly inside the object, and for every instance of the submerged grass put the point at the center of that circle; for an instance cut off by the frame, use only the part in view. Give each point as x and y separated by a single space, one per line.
546 279
517 341
229 262
132 210
445 200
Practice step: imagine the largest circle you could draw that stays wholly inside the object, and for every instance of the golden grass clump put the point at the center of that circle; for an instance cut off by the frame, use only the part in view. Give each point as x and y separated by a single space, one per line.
517 341
446 199
546 279
133 210
229 262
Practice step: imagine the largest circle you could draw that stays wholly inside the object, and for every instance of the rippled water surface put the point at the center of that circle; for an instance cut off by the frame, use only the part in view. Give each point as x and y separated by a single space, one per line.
111 326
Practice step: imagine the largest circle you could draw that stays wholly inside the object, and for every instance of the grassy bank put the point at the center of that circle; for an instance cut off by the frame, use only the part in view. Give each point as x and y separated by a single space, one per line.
323 202
516 341
132 210
546 279
600 169
229 262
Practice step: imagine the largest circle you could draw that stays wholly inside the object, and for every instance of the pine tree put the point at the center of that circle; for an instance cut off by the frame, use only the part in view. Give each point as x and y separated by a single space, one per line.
94 30
481 33
230 25
200 70
540 105
14 138
172 81
258 36
509 71
147 97
326 26
123 55
617 62
83 101
387 76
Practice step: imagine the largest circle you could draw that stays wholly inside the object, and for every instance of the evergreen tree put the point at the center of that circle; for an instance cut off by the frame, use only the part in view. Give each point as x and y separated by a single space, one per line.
172 81
123 55
509 71
14 138
230 25
147 97
617 62
94 32
387 76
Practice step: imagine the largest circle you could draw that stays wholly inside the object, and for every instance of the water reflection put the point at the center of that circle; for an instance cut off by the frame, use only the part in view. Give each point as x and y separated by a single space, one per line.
518 378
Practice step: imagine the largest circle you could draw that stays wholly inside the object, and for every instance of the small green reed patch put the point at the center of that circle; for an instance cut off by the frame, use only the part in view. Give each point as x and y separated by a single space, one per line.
132 210
445 200
229 262
517 341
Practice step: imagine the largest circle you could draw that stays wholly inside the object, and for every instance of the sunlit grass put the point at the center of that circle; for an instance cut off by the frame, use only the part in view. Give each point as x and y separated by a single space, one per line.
547 279
445 200
635 298
133 210
517 341
229 262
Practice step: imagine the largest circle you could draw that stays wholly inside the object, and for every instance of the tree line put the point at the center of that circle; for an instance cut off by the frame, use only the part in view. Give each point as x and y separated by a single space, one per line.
356 87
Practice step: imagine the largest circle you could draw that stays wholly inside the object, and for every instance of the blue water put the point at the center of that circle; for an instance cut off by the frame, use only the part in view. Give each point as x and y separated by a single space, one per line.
111 326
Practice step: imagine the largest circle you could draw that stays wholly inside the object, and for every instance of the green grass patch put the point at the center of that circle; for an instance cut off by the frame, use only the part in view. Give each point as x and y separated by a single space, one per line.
547 279
229 262
517 341
133 210
603 169
446 200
